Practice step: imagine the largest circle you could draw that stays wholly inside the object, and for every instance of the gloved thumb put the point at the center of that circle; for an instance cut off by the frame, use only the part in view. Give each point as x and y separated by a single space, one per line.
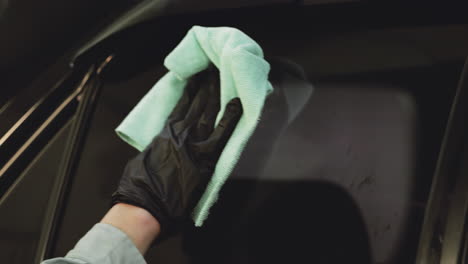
214 144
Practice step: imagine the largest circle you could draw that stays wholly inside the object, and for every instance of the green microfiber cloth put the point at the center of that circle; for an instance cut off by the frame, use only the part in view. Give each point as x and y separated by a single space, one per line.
243 74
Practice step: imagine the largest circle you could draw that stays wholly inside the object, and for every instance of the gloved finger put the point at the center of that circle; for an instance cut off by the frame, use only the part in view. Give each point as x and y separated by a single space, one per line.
214 145
183 105
194 108
197 106
205 125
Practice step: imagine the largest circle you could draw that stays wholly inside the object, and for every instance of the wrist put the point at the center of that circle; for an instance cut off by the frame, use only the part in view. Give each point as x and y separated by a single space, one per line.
139 225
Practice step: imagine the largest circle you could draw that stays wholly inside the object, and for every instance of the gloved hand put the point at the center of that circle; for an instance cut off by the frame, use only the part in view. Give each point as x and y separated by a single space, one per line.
169 176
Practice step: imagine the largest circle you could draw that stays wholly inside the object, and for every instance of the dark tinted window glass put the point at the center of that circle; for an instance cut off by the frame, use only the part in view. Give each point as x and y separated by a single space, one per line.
350 175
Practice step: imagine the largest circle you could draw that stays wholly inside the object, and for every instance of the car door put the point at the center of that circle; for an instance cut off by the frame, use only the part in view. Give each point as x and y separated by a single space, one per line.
40 138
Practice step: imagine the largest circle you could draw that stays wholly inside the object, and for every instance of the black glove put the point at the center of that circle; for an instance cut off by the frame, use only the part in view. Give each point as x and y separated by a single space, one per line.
169 176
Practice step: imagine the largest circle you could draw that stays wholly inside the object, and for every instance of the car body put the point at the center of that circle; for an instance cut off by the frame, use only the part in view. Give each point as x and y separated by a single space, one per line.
371 171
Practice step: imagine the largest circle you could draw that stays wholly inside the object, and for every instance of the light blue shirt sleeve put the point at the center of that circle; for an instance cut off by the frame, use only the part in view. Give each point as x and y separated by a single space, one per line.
103 244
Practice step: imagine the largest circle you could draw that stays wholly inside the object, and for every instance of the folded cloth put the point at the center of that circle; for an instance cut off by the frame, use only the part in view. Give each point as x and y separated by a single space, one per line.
243 74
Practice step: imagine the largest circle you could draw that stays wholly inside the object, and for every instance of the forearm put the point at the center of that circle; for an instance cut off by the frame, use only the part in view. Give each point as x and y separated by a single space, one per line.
123 236
139 225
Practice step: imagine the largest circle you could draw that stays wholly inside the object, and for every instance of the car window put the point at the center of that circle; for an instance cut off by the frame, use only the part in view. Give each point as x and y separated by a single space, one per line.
368 136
